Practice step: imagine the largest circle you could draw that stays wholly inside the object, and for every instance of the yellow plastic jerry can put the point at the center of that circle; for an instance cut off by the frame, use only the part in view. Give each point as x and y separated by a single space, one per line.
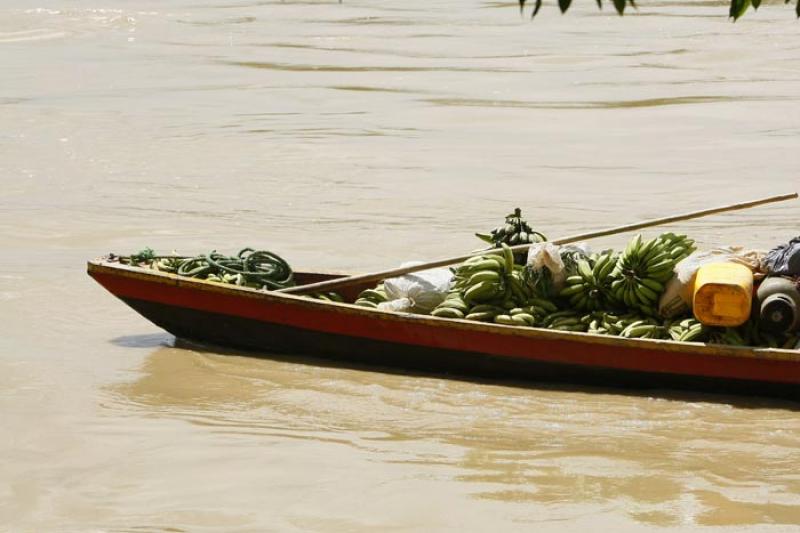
723 294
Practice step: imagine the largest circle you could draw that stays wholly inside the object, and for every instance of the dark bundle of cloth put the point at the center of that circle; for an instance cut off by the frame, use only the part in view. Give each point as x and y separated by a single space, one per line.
785 259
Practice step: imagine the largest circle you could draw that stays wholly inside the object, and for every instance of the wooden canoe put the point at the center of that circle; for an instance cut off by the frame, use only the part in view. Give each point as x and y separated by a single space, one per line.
270 322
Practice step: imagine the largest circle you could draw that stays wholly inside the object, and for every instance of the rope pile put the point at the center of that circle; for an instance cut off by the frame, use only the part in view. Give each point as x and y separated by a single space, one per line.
258 269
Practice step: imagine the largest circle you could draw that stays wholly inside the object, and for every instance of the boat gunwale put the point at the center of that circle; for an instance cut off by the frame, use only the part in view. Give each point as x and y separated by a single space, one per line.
102 265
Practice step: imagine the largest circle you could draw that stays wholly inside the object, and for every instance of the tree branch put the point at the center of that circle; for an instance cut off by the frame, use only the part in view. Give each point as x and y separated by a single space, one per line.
737 8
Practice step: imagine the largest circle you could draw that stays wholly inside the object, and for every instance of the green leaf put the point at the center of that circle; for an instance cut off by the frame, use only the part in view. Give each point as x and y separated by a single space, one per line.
536 8
738 8
485 237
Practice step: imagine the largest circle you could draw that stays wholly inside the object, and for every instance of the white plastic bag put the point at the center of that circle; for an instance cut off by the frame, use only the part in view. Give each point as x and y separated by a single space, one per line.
418 292
677 297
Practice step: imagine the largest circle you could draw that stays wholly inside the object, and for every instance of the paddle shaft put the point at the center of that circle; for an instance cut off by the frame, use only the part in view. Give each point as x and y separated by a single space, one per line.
337 283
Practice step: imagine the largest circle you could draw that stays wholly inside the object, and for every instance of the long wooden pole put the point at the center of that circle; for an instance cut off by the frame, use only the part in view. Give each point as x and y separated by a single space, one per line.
375 276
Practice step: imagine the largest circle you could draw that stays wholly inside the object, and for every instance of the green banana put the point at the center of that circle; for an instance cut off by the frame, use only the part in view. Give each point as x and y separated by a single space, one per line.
660 267
575 328
640 330
645 293
483 308
508 255
483 275
570 290
527 318
459 305
482 291
506 320
373 295
653 285
585 270
547 305
486 263
447 312
483 316
565 321
692 334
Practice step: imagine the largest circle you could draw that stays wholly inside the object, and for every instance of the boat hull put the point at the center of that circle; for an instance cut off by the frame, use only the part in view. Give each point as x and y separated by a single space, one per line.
284 324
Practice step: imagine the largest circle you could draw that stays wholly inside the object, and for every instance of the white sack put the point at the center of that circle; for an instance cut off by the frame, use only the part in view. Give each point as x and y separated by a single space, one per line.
418 292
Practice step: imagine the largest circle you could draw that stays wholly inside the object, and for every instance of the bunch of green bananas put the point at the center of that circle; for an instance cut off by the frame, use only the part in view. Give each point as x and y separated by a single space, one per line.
589 288
486 313
568 320
645 267
752 334
728 336
531 314
169 264
231 279
643 328
515 231
453 306
327 296
600 323
372 297
625 325
687 330
603 265
491 288
485 277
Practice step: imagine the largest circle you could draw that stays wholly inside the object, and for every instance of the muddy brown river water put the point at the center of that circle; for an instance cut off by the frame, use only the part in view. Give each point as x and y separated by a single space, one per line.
351 137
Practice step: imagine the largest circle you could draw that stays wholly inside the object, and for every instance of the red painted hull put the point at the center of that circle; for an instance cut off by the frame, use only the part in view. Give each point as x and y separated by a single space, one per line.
272 321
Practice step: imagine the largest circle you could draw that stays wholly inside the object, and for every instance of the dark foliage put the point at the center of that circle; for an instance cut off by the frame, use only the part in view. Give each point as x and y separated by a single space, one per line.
737 9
